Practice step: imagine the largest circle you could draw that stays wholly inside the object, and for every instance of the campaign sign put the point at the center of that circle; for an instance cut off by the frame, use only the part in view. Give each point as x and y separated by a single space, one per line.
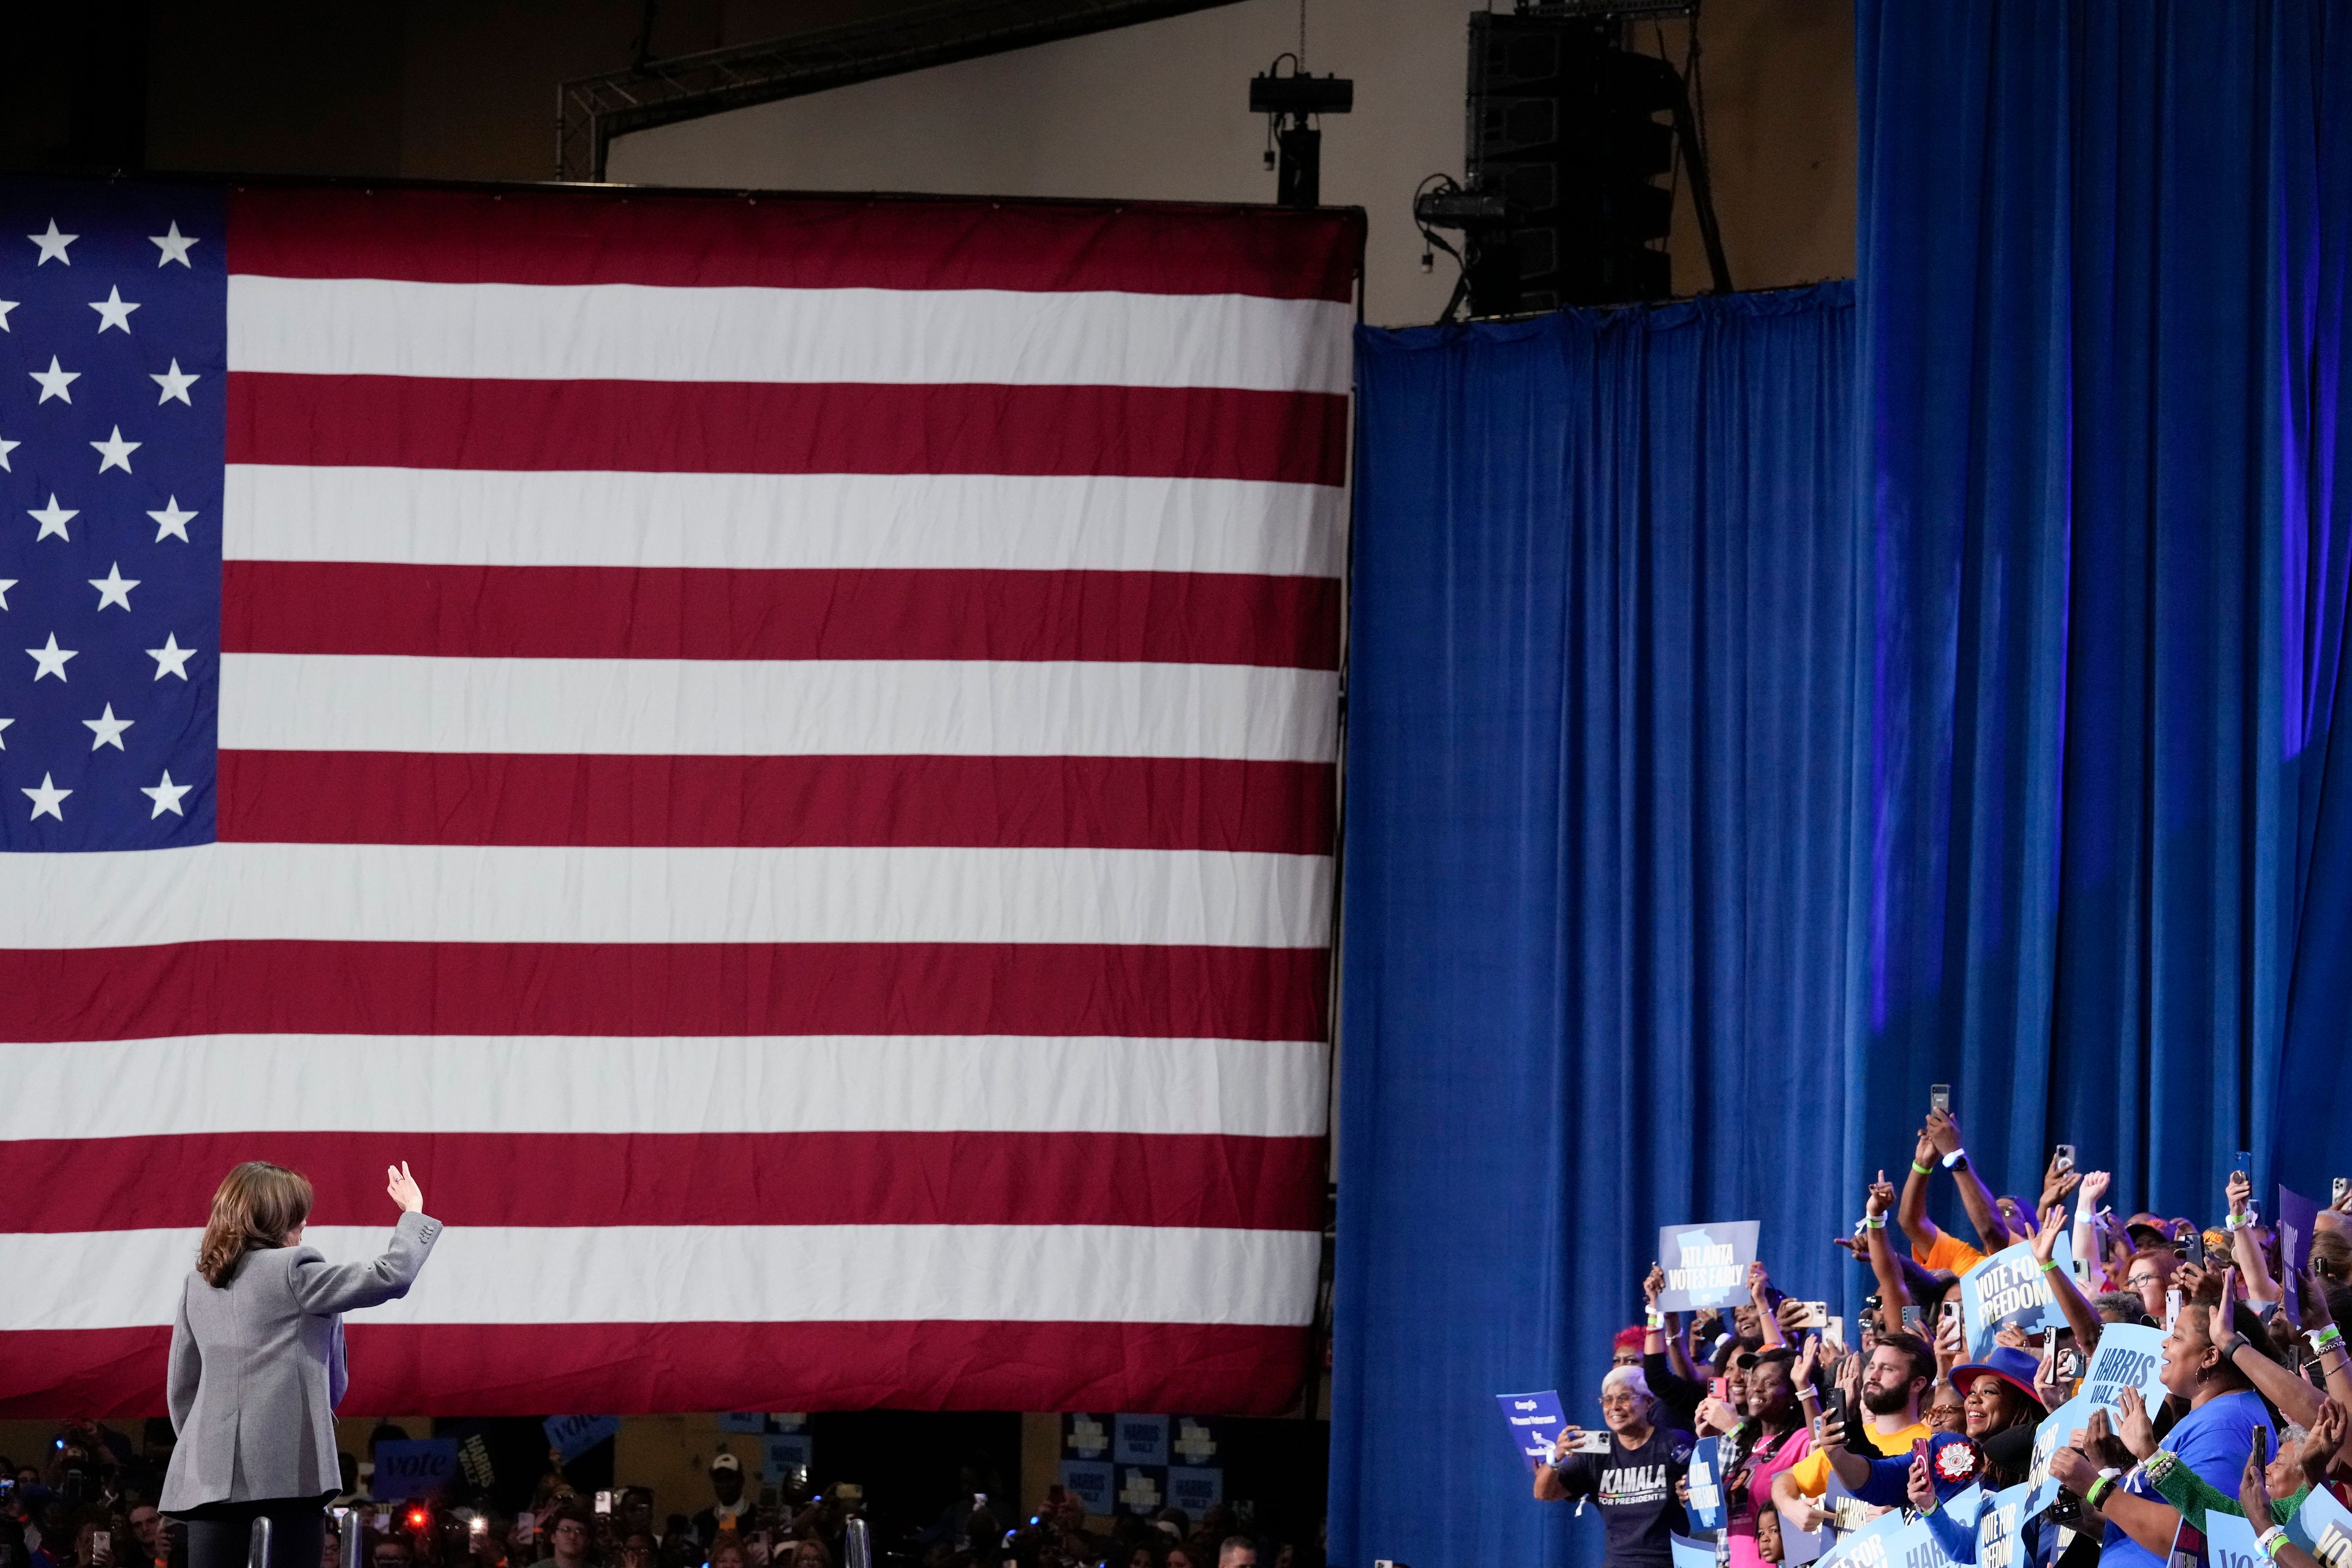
1085 1437
1139 1440
1706 1265
2323 1528
2056 1430
1965 1505
1089 1481
2005 1288
1799 1547
413 1469
1999 1523
1534 1420
1867 1546
743 1421
572 1435
1143 1489
2298 1217
2226 1541
1195 1488
1706 1484
1192 1440
786 1457
2129 1356
1689 1553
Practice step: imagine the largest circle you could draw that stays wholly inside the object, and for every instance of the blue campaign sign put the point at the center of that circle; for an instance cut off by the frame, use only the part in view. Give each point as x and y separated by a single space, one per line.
2005 1288
1143 1489
2298 1217
1866 1547
786 1457
1086 1436
1706 1265
1706 1484
1533 1420
1689 1553
2129 1356
1194 1440
572 1435
2230 1542
743 1421
1997 1523
2057 1429
1089 1481
2323 1528
1195 1488
1139 1440
1799 1547
423 1467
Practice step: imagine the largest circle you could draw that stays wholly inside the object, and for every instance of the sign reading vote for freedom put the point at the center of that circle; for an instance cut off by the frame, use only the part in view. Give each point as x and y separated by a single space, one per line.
1997 1522
1706 1265
1535 1420
2008 1287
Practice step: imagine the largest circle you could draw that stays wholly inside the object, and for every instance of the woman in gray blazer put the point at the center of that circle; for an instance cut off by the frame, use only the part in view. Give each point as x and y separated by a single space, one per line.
258 1364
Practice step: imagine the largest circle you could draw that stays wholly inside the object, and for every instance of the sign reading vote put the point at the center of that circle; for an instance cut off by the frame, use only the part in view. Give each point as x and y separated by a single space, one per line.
1997 1522
1139 1440
1534 1420
2006 1289
572 1435
423 1467
1706 1265
1706 1484
2129 1356
2323 1528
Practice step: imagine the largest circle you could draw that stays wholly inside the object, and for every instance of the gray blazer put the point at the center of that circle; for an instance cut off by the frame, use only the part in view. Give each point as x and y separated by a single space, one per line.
257 1368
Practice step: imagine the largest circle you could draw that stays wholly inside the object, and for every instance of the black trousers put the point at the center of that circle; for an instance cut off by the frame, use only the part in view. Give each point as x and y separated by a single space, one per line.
220 1534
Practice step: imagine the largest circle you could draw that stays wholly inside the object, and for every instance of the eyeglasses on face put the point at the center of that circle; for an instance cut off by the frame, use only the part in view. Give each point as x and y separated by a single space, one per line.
1622 1401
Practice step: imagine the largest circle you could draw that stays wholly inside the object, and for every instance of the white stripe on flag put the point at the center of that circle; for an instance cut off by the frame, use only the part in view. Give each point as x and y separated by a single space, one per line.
806 521
345 702
822 1083
623 1274
400 892
631 331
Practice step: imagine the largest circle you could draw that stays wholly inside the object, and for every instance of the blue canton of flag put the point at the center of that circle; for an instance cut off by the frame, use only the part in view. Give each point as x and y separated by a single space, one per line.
113 382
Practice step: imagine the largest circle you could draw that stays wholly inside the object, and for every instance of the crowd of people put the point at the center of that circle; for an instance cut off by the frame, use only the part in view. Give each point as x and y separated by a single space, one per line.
1817 1432
90 1503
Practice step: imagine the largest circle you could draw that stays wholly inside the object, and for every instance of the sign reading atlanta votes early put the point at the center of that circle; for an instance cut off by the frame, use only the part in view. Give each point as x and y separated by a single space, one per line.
1706 1265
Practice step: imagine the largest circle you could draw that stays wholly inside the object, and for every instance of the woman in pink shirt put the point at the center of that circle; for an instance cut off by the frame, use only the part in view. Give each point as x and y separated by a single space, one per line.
1773 1438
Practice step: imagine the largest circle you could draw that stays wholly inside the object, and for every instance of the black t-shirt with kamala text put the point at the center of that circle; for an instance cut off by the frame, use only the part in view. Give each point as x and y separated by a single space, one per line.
1635 1489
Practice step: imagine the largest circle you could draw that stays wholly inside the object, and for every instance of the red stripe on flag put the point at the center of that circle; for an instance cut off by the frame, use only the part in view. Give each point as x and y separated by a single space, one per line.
787 427
792 242
548 988
860 801
642 612
461 1369
690 1178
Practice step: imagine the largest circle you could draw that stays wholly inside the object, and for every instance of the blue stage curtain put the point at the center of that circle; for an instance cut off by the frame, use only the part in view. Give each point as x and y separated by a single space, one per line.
1601 713
2101 282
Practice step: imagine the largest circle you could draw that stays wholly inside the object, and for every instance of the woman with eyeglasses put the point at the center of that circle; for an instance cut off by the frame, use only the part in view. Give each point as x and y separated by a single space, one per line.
1634 1470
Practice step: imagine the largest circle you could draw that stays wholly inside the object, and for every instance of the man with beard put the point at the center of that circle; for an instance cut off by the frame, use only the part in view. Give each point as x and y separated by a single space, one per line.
1900 1370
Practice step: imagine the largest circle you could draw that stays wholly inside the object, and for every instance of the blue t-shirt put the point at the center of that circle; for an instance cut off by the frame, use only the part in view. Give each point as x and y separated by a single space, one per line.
2214 1441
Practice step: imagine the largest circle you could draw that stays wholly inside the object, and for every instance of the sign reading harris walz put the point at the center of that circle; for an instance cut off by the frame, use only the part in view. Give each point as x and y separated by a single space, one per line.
1706 1265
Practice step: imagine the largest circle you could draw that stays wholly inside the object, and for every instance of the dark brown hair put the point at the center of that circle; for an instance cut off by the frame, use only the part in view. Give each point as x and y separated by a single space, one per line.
257 1205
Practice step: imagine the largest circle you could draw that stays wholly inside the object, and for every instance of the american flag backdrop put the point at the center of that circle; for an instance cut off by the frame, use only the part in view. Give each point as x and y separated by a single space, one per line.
779 750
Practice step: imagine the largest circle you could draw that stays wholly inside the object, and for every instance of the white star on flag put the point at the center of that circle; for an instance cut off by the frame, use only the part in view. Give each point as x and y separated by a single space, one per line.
172 522
5 584
107 729
51 660
5 306
114 310
4 739
46 799
53 246
55 382
6 447
166 796
174 247
113 589
175 384
53 519
114 452
171 658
